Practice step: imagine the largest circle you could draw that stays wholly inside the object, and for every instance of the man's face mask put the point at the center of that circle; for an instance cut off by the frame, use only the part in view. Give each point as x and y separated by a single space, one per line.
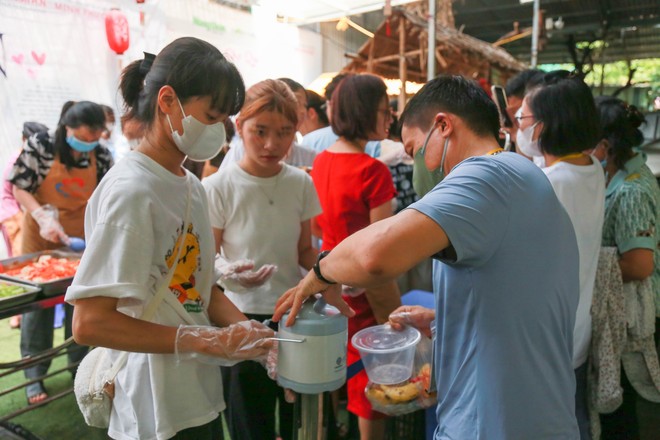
424 180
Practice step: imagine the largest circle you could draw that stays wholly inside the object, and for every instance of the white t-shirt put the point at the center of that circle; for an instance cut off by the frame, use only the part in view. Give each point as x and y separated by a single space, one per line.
132 223
298 156
239 204
581 190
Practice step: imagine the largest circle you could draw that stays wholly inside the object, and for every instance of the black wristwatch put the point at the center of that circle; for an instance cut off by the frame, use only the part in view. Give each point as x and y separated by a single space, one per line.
317 268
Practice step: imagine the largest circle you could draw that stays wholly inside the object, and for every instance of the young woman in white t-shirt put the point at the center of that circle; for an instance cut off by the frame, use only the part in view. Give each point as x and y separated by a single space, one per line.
260 210
170 386
559 122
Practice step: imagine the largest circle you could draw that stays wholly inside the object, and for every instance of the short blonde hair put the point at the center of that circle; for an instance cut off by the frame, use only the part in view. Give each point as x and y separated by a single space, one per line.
270 95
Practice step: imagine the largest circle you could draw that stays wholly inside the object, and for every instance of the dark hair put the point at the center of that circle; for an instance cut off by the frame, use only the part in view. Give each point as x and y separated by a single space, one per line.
65 107
30 128
395 128
453 94
522 82
108 111
74 115
230 130
293 85
355 105
334 82
193 68
317 103
570 120
620 124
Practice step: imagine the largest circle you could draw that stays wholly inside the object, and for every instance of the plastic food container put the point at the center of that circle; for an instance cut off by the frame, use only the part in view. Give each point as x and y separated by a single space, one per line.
387 354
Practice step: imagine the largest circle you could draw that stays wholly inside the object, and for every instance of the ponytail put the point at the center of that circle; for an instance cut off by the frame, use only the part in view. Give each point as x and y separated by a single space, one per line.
130 86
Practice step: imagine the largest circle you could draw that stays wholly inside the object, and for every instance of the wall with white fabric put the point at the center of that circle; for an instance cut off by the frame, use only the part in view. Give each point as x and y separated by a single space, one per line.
54 51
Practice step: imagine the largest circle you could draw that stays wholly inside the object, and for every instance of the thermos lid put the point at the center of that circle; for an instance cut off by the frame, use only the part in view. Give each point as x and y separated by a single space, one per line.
317 318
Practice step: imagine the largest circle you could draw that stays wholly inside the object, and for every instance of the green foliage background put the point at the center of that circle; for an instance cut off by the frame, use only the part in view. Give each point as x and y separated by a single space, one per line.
646 80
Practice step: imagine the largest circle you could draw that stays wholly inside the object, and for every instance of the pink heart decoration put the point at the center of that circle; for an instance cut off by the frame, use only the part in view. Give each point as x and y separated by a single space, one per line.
18 59
31 73
39 58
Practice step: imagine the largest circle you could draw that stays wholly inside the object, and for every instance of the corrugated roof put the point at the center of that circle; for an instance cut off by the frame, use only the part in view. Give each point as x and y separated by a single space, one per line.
631 28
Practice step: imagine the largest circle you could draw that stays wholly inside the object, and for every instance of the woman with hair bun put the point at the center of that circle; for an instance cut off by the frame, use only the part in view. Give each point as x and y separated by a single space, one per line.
53 178
632 225
170 385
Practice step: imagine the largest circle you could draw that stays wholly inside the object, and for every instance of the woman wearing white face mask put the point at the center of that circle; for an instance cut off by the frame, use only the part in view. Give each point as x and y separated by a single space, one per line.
557 122
148 221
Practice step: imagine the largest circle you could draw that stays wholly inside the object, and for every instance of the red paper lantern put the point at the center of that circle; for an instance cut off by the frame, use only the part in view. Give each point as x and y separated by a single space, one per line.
116 31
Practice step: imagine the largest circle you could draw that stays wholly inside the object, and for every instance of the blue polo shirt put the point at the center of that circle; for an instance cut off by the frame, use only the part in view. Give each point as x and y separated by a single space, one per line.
506 296
319 140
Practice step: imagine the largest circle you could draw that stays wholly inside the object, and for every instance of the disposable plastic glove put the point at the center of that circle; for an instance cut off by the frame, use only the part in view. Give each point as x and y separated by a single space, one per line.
270 362
415 316
239 276
224 346
47 217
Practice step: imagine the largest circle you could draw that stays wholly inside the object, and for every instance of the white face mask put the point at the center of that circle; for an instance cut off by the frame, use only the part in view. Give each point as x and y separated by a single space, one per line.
199 141
133 143
525 144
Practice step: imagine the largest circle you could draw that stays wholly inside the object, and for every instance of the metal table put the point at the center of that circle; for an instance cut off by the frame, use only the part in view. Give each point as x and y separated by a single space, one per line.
38 304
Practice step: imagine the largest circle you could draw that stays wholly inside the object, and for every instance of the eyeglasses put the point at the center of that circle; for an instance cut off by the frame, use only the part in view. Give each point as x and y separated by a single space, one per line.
519 118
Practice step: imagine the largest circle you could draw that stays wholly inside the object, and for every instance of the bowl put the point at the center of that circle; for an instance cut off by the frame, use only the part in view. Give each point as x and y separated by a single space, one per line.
387 354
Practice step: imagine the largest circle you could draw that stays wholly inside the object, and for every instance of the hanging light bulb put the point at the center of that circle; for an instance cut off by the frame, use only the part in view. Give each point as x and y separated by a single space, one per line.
342 24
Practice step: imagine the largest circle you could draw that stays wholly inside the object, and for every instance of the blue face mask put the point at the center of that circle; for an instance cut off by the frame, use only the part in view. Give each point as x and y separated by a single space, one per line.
79 145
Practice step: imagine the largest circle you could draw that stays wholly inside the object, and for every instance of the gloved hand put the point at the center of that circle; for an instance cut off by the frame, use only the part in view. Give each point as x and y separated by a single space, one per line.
224 346
270 362
239 277
415 316
47 217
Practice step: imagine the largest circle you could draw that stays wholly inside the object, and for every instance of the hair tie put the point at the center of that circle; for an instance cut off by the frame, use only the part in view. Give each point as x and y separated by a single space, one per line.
146 63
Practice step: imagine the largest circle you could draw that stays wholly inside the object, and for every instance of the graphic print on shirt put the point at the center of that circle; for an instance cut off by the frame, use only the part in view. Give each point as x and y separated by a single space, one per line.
74 187
183 281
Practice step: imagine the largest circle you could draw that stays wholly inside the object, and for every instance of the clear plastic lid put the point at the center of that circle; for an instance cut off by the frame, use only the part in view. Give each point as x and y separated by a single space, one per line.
384 339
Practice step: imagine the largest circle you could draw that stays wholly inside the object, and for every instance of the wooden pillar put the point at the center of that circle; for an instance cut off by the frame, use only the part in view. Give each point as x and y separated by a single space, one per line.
370 60
403 68
422 54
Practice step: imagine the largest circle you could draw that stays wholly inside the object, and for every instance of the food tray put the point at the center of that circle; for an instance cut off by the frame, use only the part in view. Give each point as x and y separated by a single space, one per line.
50 288
30 294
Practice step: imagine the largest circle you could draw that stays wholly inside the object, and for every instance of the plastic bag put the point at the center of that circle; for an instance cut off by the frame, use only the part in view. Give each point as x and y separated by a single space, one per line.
408 396
94 389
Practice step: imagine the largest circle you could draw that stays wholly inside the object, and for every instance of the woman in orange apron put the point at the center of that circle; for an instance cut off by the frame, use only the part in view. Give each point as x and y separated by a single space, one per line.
53 179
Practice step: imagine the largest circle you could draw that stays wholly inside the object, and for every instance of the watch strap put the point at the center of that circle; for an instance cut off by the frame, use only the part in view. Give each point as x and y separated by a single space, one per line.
317 268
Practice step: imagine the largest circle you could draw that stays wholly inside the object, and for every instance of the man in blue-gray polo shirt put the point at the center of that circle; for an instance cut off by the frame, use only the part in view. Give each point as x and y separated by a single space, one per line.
505 277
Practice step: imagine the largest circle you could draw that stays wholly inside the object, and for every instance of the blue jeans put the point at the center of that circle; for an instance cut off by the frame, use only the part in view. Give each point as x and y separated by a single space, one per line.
37 337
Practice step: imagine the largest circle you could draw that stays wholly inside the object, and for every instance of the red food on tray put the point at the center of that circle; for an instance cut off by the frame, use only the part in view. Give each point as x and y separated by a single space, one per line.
45 269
